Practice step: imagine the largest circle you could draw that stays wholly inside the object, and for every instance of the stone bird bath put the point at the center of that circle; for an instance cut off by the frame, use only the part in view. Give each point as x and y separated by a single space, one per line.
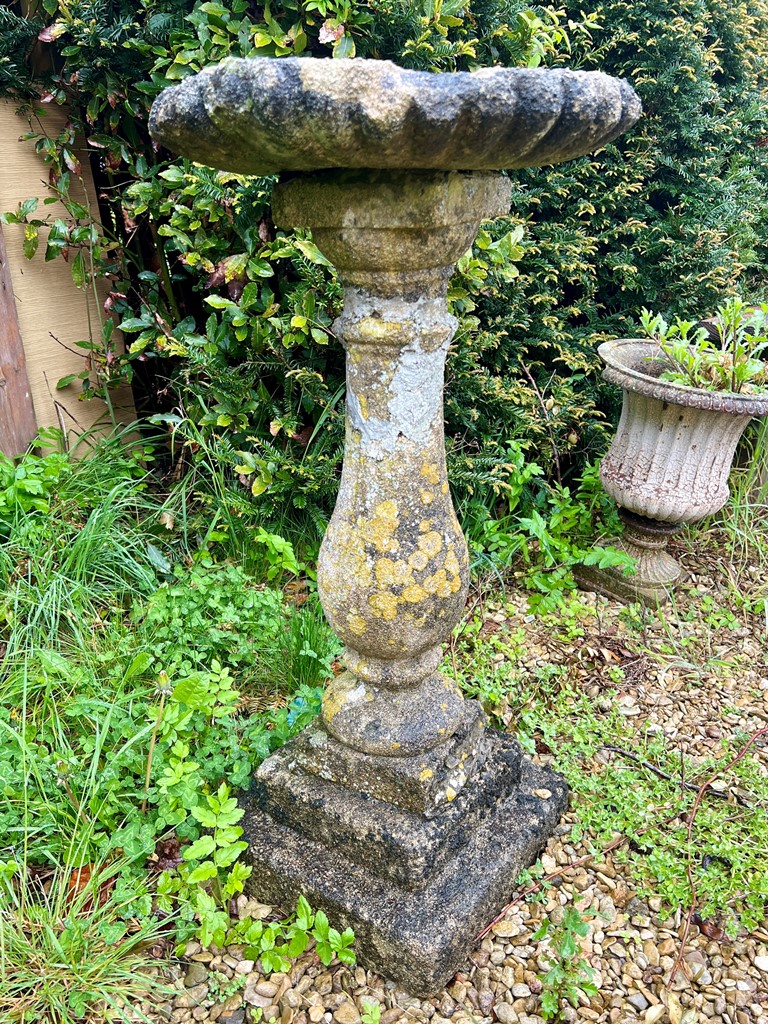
399 812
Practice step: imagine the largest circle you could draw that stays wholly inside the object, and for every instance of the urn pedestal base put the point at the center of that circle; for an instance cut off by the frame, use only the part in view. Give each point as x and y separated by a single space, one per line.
415 885
657 572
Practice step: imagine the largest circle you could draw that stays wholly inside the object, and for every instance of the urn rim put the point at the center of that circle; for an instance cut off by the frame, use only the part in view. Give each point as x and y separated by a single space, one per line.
624 357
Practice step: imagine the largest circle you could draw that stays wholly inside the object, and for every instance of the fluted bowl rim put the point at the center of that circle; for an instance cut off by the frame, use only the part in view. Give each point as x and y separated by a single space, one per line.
623 358
264 115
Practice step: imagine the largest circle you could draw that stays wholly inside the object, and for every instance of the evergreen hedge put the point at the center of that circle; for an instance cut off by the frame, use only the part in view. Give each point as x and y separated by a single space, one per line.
229 321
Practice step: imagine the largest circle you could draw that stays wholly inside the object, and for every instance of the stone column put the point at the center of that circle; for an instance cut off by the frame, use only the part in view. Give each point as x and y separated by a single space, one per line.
398 812
393 571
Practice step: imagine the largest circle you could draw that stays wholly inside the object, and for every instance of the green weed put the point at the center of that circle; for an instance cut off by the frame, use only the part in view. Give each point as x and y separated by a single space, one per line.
276 943
568 973
637 793
67 951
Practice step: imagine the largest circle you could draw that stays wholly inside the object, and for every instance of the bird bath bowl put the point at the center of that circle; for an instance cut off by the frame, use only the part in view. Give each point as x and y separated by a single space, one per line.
399 811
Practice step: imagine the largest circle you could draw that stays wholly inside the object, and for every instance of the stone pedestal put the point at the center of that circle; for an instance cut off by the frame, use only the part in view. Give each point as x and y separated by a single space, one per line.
657 573
415 886
399 812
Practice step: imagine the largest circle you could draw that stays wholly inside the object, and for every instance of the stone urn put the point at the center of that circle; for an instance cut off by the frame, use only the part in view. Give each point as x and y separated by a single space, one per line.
398 812
668 464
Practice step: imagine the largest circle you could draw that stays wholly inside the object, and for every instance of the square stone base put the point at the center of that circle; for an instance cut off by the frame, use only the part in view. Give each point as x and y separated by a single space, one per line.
415 890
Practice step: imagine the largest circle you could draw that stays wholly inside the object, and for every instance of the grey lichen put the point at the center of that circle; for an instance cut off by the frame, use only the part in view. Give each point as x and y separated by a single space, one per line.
262 116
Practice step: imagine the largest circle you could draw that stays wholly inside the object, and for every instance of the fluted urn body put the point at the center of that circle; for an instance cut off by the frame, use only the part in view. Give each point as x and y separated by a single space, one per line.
669 461
399 812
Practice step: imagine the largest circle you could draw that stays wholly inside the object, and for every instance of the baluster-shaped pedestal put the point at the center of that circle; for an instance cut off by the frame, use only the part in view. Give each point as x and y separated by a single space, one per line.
398 812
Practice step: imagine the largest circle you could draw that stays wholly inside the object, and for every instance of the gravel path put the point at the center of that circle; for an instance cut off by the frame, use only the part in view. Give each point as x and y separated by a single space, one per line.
690 678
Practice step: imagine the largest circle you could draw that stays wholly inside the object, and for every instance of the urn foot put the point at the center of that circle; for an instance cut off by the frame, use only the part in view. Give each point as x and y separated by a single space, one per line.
657 572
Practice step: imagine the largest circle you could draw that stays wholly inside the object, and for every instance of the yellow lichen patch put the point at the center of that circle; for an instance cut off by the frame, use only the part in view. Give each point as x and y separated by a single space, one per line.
380 528
357 624
431 543
386 510
450 794
426 775
372 328
363 403
425 525
440 585
431 472
418 560
393 574
384 605
335 699
452 563
444 488
427 497
414 594
345 542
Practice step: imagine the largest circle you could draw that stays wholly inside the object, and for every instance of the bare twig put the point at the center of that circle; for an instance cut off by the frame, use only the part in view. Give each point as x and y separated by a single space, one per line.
545 410
689 834
613 845
545 879
658 771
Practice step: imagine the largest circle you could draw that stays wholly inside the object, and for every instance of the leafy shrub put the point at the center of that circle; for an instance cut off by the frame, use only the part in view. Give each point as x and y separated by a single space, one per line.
669 215
238 317
230 323
213 612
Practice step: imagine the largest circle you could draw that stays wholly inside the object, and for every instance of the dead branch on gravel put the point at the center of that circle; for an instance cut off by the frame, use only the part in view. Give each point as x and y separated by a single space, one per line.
546 879
691 818
658 771
700 790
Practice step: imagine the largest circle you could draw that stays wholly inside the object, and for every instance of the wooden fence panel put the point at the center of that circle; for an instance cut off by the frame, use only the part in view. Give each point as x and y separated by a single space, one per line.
18 424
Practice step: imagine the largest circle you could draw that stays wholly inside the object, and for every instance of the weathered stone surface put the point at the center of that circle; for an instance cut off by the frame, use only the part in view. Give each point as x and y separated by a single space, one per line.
264 115
656 574
674 445
392 572
418 936
422 783
405 846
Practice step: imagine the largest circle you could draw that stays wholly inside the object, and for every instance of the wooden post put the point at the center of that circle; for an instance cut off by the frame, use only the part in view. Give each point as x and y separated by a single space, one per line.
18 424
